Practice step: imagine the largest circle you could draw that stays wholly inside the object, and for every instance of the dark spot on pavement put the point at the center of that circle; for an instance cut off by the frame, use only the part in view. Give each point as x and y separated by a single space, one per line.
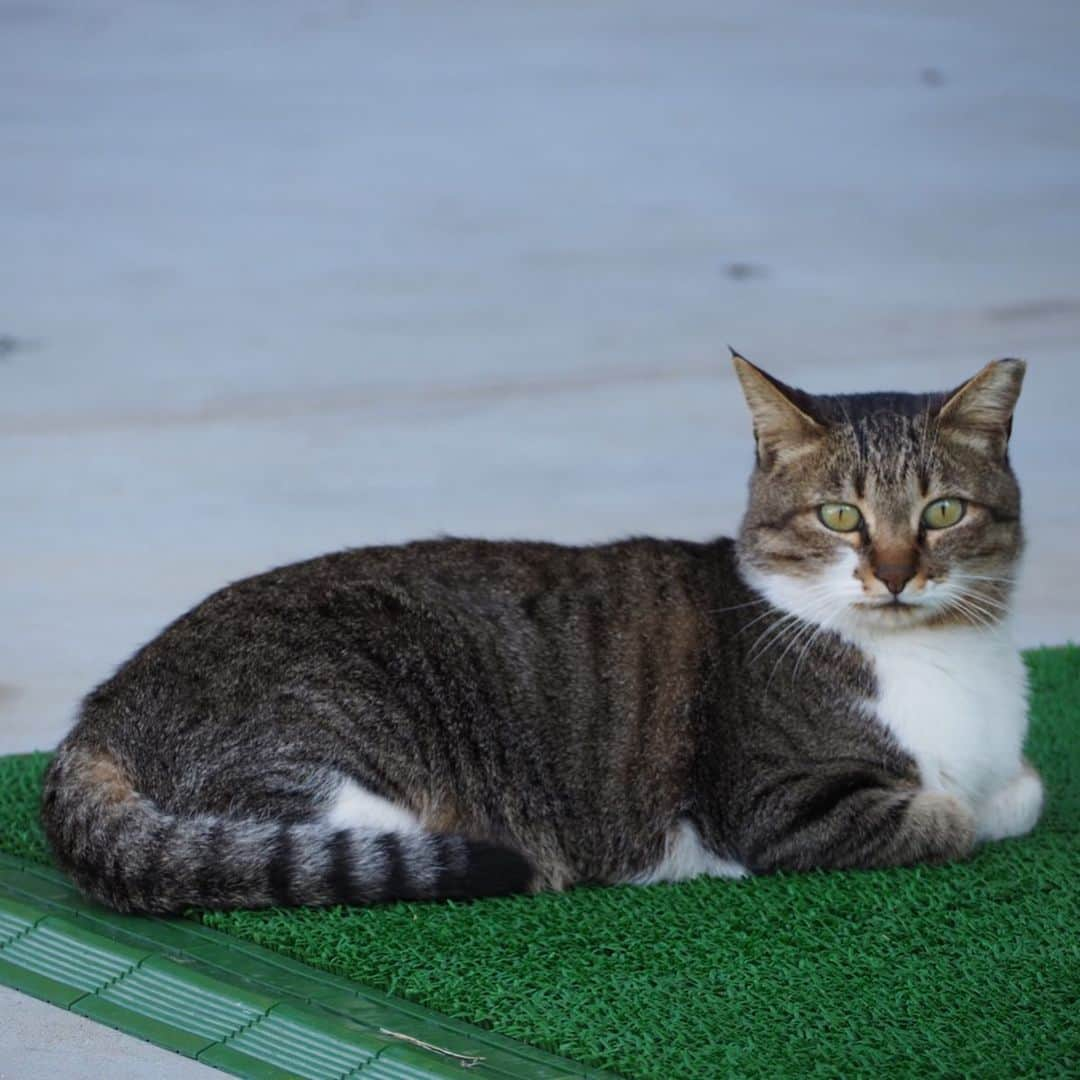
743 271
1055 308
10 344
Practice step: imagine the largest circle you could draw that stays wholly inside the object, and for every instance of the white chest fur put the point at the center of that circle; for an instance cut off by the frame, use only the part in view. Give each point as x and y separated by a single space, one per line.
956 700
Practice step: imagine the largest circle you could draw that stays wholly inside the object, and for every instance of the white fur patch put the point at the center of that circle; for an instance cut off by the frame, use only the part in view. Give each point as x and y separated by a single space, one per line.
824 601
953 697
354 807
686 857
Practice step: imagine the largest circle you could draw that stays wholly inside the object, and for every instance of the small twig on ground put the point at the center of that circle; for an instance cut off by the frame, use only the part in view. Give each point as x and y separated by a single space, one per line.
467 1061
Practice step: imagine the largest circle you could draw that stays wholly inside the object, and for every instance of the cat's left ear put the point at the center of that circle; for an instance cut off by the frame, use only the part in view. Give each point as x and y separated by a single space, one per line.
981 411
782 427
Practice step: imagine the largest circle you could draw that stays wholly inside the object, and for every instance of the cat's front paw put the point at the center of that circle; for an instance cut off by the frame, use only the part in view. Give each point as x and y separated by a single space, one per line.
1014 810
945 825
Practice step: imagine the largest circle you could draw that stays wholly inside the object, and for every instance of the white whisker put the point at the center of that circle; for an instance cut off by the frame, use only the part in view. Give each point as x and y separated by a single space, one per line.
809 632
736 607
806 621
772 633
972 614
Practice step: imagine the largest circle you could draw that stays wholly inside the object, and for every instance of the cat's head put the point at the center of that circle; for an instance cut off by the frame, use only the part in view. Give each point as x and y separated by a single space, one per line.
883 511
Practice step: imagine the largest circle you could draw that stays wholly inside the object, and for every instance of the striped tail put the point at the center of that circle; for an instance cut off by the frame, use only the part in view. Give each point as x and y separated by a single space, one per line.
123 850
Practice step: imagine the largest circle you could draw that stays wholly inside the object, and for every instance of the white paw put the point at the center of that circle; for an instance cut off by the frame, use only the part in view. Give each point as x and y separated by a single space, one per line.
1014 810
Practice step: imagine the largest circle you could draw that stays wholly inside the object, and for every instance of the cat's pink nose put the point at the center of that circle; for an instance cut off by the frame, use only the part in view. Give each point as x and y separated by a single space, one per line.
895 575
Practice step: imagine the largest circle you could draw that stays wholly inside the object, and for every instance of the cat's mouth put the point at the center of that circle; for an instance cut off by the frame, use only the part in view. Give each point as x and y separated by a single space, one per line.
893 603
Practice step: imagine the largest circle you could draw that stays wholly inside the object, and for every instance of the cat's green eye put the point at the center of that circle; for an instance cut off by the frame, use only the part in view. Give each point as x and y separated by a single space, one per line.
840 517
942 513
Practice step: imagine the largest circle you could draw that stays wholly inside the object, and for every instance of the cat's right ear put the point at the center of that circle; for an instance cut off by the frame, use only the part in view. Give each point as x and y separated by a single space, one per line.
980 412
782 429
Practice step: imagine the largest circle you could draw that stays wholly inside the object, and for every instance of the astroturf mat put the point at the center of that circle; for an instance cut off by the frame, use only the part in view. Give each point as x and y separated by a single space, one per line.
963 970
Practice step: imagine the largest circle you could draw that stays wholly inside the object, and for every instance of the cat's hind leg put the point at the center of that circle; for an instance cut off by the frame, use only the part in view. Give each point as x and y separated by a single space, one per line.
354 806
685 856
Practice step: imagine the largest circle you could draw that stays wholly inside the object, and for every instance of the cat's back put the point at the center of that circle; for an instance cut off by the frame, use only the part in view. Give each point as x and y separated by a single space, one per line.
470 576
313 621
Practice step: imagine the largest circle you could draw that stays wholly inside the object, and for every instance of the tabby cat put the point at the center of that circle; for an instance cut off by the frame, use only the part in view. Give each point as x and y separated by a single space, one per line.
457 718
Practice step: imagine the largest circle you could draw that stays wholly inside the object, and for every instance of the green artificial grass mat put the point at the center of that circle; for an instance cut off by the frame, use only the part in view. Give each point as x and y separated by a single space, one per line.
964 970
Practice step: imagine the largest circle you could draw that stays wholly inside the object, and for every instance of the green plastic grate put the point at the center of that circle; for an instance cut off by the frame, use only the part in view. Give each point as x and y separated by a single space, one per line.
231 1004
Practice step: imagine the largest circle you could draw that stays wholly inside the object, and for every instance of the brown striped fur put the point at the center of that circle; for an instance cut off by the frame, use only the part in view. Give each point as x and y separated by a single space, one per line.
549 713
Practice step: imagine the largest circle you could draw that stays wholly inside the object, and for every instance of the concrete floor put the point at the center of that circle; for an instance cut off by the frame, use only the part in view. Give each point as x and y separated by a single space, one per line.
40 1041
283 278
